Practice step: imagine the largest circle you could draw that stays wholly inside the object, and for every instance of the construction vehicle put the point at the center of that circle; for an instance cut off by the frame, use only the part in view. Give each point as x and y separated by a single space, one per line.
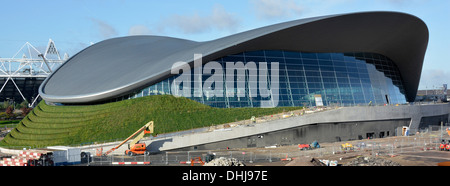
444 145
304 147
313 145
347 146
134 147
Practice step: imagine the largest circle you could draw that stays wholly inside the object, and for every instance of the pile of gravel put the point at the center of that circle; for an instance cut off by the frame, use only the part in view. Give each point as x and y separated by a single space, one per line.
371 161
222 161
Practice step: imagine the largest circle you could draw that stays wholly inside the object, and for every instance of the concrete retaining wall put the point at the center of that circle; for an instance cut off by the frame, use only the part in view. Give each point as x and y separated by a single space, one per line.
344 123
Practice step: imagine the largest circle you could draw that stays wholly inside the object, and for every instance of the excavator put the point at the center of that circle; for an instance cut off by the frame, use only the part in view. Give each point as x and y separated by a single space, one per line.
134 147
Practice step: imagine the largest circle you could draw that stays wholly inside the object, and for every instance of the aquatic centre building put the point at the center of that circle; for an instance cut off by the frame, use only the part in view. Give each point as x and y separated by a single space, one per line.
349 59
358 59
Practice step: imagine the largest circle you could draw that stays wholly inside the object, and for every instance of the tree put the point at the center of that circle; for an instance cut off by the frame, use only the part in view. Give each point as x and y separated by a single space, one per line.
25 110
23 104
9 112
5 104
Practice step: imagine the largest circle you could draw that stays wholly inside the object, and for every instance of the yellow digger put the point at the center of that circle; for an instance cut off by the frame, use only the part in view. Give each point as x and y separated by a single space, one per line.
347 146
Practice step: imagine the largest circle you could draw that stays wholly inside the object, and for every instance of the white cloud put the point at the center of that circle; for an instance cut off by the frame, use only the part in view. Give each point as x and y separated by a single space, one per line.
270 9
219 18
188 24
222 19
105 30
402 3
139 30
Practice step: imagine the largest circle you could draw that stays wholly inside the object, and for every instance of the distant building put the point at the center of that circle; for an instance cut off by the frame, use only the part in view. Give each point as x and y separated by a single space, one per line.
433 95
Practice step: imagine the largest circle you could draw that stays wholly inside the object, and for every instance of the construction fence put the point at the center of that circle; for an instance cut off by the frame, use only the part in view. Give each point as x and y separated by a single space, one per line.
372 147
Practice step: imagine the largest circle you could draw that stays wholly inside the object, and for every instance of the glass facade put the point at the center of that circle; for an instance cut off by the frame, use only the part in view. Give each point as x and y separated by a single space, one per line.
341 79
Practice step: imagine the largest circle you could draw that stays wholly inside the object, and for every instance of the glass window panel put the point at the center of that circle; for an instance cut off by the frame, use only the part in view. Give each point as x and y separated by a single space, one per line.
339 63
313 79
254 59
328 74
359 55
354 80
326 68
330 85
274 53
367 55
254 53
353 85
310 62
294 61
340 69
289 54
350 64
329 79
361 65
271 59
343 86
341 75
365 80
337 56
325 63
364 75
353 75
326 56
308 55
314 68
312 73
352 69
315 90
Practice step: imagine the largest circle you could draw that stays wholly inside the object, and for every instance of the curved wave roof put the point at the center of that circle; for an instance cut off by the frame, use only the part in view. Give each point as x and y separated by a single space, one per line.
118 66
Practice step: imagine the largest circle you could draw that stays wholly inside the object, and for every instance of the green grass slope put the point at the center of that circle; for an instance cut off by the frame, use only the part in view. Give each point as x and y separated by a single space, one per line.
49 125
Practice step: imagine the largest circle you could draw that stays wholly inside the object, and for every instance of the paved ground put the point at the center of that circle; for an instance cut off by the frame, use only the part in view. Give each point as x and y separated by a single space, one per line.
425 158
406 152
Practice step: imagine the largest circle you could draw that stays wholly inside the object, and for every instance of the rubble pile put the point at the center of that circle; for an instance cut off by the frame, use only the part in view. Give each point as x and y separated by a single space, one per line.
222 161
371 161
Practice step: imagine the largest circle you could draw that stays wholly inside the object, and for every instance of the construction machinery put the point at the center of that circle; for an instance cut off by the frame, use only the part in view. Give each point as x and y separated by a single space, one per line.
134 147
444 145
313 145
347 146
304 147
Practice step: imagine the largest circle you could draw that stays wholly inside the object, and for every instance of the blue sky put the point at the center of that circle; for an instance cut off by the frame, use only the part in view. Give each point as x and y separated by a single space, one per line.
74 24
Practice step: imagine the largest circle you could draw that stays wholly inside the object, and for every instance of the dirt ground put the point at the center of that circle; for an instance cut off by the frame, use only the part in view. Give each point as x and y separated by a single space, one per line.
409 156
425 158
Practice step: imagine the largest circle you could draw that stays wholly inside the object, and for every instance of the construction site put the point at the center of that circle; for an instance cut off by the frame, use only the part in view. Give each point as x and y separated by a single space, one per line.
330 99
424 147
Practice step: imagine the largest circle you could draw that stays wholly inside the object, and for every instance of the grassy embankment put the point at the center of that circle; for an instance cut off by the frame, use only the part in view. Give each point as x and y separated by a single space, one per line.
49 125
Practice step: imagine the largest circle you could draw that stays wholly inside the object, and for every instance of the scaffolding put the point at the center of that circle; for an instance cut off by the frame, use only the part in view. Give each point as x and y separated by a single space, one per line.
20 77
